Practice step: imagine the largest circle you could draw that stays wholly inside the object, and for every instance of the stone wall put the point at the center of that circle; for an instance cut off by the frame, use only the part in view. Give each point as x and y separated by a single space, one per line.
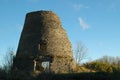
44 25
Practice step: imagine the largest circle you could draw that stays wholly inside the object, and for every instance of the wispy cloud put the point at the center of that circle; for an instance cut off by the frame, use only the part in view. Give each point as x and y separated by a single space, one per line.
80 6
83 24
19 27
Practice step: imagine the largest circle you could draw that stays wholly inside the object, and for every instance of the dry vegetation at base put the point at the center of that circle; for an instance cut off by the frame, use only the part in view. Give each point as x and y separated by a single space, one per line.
83 69
70 76
80 76
82 73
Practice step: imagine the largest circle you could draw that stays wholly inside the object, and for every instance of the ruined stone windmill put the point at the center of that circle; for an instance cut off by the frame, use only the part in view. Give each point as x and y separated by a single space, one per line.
44 40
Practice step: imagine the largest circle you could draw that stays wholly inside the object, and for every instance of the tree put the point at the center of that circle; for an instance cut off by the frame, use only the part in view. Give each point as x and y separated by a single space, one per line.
80 53
8 60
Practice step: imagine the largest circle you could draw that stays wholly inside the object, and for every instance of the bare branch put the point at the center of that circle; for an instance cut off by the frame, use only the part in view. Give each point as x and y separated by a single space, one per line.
8 60
80 53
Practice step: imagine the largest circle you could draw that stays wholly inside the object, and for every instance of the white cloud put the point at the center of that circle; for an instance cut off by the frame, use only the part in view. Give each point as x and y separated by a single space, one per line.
19 27
83 24
79 6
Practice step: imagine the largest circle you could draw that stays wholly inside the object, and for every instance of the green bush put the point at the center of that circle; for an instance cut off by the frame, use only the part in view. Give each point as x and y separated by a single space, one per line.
99 66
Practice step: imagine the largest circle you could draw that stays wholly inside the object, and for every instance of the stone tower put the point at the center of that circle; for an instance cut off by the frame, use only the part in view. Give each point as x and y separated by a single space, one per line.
43 35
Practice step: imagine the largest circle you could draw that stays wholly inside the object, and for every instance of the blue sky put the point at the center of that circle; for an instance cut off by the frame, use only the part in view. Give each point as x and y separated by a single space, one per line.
93 22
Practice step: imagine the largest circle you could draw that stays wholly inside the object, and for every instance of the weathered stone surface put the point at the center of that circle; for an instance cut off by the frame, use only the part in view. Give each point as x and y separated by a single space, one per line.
44 25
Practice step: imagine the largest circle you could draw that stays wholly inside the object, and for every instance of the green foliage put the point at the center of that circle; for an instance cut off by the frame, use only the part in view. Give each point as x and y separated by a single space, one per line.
102 67
116 68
